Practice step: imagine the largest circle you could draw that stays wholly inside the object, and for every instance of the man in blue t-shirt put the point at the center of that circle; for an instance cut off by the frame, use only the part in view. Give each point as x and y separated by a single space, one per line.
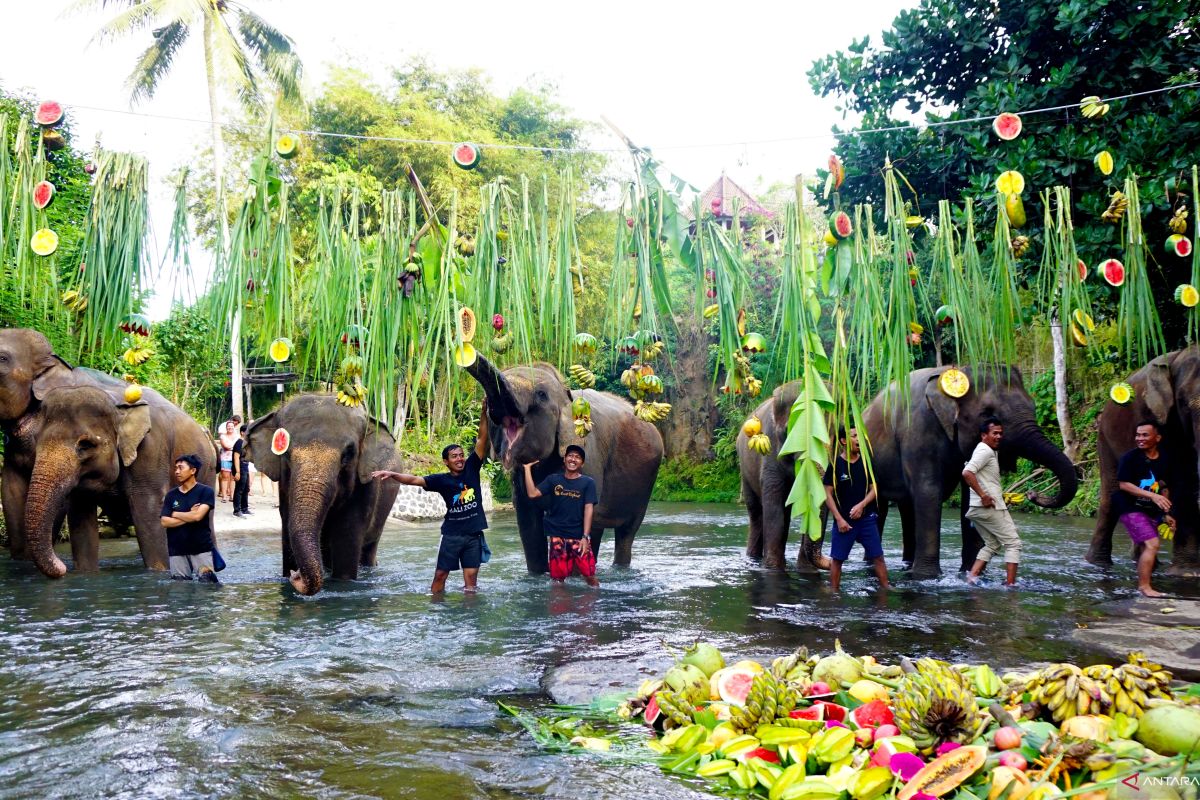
569 498
463 526
185 515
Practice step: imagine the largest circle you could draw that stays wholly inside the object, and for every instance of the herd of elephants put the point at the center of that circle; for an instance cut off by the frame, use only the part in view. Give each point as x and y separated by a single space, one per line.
73 446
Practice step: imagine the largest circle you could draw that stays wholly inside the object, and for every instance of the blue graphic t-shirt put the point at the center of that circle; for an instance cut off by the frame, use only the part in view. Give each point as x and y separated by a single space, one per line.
1144 473
464 501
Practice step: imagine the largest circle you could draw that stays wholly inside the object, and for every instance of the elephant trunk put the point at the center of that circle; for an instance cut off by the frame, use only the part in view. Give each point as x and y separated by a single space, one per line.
1029 442
310 494
54 476
502 408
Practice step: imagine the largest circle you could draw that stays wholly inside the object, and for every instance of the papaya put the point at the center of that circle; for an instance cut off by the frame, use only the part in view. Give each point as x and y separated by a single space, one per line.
467 322
945 773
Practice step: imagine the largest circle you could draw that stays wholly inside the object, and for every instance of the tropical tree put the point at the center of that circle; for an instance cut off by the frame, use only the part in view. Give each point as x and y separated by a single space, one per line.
244 56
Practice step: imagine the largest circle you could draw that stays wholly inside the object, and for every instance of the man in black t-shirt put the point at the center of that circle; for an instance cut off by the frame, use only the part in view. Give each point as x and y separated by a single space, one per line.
1142 499
463 543
241 476
185 515
569 500
850 498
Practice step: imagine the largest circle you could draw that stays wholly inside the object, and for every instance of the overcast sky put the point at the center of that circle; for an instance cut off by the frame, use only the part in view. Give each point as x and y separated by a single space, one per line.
699 82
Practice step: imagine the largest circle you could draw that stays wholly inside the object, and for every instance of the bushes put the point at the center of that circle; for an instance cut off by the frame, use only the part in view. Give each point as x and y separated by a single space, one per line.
685 480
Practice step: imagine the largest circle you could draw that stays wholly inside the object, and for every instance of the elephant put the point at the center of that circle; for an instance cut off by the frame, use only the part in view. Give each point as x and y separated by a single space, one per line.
29 370
766 482
92 448
1166 390
529 409
918 451
332 510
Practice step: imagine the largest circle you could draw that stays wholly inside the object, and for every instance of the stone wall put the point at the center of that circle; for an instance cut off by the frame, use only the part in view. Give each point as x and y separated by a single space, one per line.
415 504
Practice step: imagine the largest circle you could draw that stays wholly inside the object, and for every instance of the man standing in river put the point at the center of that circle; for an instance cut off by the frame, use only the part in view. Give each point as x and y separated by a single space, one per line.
570 500
850 498
463 544
185 515
988 511
1142 499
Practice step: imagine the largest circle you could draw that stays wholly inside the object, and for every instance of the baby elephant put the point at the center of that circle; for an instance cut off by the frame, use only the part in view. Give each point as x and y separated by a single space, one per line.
322 454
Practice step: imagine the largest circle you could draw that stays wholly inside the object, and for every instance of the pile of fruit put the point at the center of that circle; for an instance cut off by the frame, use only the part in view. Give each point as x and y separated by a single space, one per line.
839 726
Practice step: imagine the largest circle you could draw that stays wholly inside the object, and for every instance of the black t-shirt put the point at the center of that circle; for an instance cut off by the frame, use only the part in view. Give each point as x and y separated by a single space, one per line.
851 486
564 499
463 496
239 448
190 538
1144 473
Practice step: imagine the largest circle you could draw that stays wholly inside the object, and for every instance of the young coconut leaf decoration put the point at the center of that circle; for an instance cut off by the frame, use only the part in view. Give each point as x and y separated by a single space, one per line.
1061 291
1194 311
1005 303
1138 328
968 329
35 276
900 339
179 244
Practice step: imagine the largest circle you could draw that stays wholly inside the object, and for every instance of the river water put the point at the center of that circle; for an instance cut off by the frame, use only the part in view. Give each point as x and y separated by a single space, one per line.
126 684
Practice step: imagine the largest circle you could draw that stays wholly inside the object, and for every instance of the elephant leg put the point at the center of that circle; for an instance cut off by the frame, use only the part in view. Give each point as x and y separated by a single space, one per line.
623 542
145 506
533 539
754 536
368 557
85 535
596 537
777 518
809 559
13 488
907 533
344 539
972 542
1100 550
927 534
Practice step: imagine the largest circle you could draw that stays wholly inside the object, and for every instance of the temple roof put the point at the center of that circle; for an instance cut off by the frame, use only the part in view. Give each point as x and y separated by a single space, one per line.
723 192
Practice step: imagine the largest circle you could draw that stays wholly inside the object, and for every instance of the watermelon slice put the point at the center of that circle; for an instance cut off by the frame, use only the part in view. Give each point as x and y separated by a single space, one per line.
43 193
48 114
135 323
1112 271
1007 126
814 712
281 440
1179 245
833 710
872 715
1081 268
1186 295
734 685
840 226
944 315
466 155
287 146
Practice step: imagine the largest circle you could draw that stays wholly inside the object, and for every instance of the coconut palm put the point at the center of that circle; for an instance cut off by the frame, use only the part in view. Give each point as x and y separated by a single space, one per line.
243 55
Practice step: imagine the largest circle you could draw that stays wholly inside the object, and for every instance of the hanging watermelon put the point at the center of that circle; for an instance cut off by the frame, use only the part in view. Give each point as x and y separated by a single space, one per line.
466 155
287 146
1112 271
281 440
48 114
43 193
44 242
1007 126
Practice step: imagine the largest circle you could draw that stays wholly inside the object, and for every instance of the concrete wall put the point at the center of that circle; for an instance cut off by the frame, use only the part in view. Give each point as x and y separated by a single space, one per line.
414 503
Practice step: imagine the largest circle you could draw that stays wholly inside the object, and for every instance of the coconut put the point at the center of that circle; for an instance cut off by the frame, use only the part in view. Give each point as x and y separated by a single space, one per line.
705 656
689 681
1170 730
837 668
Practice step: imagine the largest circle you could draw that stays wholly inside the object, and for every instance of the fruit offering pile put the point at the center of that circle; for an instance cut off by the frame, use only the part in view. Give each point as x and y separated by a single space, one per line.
846 727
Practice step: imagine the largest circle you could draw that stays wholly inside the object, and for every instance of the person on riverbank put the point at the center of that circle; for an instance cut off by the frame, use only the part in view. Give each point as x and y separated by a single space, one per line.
850 498
225 443
185 515
569 500
988 511
1142 499
463 544
241 473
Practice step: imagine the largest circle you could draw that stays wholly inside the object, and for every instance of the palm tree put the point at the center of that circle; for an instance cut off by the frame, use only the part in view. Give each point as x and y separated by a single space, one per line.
243 55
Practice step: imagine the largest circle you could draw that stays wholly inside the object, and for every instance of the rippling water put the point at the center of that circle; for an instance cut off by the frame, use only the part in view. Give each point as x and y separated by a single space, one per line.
126 684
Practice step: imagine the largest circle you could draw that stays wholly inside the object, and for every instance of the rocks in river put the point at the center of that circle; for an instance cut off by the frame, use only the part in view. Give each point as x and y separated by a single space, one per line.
1171 639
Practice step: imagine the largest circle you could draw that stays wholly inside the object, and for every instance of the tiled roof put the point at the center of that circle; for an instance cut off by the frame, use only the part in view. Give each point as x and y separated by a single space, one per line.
719 197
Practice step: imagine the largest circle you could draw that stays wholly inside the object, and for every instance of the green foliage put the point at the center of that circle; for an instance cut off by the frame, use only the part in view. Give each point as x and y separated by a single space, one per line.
957 59
191 363
686 480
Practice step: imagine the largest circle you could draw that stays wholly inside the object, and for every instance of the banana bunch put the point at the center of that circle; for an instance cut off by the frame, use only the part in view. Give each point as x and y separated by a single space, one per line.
1135 684
1020 245
782 666
1091 107
352 367
711 311
1165 532
74 301
352 394
1116 207
1013 498
753 386
1178 223
137 354
582 376
502 343
675 706
653 349
770 701
629 378
985 681
935 705
651 412
759 443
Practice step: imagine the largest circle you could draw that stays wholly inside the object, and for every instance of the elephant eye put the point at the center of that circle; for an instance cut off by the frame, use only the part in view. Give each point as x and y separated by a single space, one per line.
348 454
542 396
84 445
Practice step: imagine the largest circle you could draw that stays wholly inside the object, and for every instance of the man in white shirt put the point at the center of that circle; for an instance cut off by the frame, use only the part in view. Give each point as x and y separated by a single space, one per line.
987 511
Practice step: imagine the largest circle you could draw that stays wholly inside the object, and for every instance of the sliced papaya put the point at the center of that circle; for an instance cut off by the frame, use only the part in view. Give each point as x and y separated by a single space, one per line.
466 320
945 773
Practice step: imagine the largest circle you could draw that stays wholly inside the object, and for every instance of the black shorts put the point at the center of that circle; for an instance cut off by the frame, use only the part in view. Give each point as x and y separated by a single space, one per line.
460 548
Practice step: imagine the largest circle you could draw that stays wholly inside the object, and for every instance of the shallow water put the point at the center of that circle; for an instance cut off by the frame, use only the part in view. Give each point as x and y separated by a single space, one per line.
126 684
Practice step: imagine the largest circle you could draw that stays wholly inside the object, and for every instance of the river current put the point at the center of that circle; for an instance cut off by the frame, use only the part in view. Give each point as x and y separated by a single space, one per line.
126 684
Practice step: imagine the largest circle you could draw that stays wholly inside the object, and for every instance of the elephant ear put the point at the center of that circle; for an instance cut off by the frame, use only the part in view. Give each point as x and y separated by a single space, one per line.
944 407
782 401
566 427
378 450
1158 393
133 423
259 436
50 372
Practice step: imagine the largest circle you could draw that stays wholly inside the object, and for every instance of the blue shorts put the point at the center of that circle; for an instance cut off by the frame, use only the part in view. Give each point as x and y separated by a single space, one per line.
460 548
864 530
227 466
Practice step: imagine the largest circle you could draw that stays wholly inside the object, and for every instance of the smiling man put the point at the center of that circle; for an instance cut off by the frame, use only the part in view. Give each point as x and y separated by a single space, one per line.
570 499
463 544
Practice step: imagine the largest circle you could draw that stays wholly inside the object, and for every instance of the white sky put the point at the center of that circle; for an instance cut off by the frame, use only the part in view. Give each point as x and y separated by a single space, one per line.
671 75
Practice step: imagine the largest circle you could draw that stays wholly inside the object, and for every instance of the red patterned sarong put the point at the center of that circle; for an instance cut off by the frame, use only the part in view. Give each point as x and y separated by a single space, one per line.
567 555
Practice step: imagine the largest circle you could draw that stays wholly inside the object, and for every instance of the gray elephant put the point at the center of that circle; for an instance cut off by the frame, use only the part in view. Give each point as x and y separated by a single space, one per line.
29 371
531 419
766 482
918 451
91 448
1166 390
332 511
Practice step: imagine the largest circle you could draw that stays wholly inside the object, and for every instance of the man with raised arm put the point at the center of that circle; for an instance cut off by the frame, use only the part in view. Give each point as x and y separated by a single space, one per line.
570 499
